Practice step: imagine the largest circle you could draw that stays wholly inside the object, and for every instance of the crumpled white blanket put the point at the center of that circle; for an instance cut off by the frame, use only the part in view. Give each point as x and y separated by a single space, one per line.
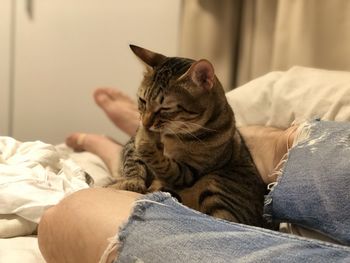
33 177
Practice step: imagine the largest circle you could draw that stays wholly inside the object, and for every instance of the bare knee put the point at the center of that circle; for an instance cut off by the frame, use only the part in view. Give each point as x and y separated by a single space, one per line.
45 238
56 235
78 228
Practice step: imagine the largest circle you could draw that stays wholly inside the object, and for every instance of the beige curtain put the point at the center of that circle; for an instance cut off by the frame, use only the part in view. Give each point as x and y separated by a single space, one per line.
245 39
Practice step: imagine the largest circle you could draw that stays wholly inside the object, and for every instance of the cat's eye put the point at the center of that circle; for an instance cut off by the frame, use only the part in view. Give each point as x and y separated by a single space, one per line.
186 110
142 100
165 108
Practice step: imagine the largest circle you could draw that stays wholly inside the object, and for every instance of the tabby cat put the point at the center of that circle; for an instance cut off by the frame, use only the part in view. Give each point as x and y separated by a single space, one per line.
188 144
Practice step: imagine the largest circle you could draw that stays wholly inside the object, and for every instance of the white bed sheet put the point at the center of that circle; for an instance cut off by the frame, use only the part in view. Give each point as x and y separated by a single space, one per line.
25 248
276 99
20 249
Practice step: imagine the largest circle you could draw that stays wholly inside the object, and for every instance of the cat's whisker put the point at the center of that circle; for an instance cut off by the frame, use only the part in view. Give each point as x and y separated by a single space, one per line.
194 136
202 127
181 125
190 133
174 133
196 124
183 129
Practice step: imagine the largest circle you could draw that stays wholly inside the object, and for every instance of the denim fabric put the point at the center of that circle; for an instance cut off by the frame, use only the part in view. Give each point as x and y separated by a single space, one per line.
314 188
312 191
161 230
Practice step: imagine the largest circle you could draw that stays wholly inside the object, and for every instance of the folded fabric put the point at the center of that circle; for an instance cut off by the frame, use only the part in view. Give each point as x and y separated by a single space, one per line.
91 163
33 177
13 225
279 98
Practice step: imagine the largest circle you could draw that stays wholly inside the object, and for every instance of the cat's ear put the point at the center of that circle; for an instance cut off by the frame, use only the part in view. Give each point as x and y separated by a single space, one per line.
202 74
152 59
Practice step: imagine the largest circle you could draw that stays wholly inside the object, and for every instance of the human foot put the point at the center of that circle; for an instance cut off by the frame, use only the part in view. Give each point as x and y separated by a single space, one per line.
104 147
75 141
119 107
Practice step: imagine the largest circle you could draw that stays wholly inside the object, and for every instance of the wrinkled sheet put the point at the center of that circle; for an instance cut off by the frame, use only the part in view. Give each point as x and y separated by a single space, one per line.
33 177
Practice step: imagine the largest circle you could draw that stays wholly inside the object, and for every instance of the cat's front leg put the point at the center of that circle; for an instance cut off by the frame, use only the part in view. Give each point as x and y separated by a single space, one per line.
133 174
134 184
167 170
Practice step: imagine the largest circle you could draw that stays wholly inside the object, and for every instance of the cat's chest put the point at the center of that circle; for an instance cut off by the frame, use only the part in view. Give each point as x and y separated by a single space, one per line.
195 154
174 149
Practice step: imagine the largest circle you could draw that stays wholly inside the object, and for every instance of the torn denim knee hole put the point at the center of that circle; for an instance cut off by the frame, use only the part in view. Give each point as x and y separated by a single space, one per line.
140 205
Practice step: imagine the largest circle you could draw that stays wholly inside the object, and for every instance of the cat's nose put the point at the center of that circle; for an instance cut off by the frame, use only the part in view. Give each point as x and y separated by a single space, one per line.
148 120
146 124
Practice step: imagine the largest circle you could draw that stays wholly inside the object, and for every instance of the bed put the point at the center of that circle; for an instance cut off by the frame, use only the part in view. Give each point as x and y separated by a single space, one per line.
275 99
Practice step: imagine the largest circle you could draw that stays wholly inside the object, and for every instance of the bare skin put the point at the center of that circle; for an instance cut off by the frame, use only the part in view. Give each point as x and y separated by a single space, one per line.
267 146
66 230
78 228
104 147
119 108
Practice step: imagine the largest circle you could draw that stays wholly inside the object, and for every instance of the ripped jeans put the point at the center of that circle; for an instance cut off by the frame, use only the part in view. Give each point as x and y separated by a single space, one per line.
312 191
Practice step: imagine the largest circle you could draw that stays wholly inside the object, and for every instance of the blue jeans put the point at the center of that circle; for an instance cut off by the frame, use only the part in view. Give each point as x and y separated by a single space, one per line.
312 191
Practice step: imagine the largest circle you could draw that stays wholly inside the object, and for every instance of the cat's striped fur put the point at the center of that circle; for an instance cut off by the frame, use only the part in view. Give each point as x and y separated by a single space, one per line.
188 143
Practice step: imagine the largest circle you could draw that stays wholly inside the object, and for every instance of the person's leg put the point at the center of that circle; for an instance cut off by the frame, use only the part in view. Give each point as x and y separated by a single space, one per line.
312 189
119 107
123 112
159 230
108 150
78 228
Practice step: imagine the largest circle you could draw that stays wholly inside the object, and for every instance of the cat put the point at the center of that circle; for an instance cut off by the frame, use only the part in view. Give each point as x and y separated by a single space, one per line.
188 143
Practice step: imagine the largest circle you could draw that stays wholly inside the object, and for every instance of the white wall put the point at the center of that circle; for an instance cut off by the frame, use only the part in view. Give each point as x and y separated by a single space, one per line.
71 47
5 24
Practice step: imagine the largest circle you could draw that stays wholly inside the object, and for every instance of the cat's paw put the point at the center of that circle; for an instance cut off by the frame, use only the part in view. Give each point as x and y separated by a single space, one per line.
130 184
146 139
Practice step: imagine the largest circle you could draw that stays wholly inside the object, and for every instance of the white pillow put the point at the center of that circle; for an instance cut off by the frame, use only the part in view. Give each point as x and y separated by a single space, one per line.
278 98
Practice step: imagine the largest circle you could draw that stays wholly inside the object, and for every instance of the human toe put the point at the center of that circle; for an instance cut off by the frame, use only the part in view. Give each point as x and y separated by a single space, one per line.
76 141
102 96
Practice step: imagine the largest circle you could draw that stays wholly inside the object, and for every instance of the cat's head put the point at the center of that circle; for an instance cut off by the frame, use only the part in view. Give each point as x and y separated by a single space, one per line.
176 94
